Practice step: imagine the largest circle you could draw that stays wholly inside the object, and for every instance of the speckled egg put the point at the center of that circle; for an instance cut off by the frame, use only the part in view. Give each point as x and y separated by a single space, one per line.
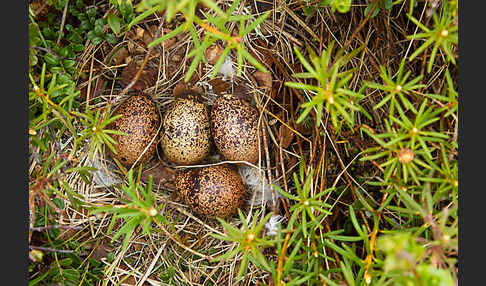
186 132
214 191
234 128
140 120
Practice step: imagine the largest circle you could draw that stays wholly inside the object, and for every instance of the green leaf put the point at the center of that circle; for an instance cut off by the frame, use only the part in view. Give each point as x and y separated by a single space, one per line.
253 61
227 255
255 23
342 5
142 16
39 279
304 86
412 204
355 221
305 63
243 267
63 52
220 61
91 12
99 31
69 64
51 59
111 39
285 194
214 7
348 254
375 11
115 23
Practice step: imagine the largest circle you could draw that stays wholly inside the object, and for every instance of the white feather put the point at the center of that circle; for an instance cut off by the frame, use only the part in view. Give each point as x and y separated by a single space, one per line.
100 176
226 68
260 189
272 225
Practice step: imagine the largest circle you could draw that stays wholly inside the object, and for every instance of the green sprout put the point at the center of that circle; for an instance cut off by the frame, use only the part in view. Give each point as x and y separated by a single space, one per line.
96 130
449 96
331 91
215 28
387 4
444 175
139 209
403 263
305 205
443 35
54 100
398 87
250 243
404 147
171 8
219 31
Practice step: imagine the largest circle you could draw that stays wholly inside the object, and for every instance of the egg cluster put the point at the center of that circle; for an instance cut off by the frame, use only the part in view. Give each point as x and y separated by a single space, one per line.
188 131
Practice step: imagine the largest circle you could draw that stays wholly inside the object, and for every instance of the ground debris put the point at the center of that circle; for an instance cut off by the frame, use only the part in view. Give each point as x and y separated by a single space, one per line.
263 79
148 77
103 177
161 174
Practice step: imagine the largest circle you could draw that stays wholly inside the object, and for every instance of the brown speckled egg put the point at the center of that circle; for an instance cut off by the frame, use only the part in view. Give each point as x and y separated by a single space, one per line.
234 128
140 120
214 191
186 133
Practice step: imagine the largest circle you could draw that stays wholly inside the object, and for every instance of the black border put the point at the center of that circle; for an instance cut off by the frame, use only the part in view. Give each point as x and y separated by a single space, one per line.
471 145
14 138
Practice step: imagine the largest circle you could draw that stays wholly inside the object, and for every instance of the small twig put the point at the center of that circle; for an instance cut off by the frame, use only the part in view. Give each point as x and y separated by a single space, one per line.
369 258
109 270
50 249
284 176
269 172
288 126
50 51
216 164
282 258
147 273
188 214
88 90
64 13
348 42
454 138
55 227
267 155
298 20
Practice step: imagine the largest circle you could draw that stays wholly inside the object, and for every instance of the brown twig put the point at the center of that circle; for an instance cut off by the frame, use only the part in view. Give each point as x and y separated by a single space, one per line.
63 21
348 42
55 227
282 258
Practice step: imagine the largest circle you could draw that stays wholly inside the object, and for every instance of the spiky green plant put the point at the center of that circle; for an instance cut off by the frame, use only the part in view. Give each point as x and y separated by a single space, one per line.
443 35
249 241
139 209
332 91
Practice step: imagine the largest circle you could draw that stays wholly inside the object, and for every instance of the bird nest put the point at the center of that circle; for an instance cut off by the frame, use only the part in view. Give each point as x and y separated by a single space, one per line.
183 251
